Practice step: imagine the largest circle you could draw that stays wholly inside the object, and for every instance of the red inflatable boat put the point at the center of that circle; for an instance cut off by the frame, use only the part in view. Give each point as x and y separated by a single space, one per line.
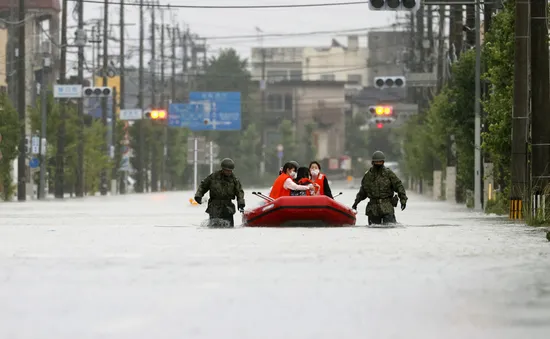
299 211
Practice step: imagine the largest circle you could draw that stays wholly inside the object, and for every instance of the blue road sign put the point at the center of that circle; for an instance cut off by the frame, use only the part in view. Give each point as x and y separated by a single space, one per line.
280 154
34 163
209 111
175 113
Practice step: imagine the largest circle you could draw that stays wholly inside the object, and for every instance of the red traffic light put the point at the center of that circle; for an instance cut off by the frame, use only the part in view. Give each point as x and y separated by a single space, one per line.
379 125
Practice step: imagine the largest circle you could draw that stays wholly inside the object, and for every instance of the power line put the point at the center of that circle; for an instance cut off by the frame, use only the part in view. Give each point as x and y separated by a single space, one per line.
326 4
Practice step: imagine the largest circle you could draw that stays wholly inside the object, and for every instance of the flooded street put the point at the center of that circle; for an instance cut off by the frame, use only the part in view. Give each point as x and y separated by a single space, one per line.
140 266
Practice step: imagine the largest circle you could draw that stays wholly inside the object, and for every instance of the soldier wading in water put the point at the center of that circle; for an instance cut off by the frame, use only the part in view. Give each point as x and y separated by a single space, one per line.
224 187
379 184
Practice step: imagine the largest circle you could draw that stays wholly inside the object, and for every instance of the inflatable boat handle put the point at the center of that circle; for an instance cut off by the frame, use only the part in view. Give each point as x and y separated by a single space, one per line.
266 198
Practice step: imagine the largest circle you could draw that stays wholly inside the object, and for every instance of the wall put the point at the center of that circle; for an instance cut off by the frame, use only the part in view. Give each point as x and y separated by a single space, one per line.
338 62
3 52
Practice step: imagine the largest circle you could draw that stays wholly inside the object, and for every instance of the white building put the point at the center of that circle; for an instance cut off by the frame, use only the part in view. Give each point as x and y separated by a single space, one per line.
334 63
337 62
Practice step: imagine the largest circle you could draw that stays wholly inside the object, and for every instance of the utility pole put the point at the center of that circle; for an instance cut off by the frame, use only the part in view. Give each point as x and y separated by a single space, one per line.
173 99
46 61
60 155
477 108
441 50
185 68
114 169
162 105
262 98
520 112
153 68
122 86
140 184
540 101
103 188
80 148
22 106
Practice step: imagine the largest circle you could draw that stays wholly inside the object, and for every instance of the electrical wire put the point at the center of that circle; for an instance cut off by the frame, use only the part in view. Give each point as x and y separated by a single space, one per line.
326 4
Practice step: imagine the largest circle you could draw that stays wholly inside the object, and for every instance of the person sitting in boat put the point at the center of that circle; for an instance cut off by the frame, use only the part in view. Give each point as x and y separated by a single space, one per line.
303 177
285 182
320 179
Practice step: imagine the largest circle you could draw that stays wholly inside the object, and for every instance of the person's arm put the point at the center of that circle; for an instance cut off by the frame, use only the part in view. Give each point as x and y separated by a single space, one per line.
291 185
326 188
204 187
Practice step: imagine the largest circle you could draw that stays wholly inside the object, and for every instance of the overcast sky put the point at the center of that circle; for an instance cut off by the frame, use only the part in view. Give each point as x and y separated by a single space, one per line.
215 23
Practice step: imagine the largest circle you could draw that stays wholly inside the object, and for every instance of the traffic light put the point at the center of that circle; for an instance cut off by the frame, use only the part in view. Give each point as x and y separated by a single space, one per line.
389 82
379 111
394 5
97 92
156 114
380 122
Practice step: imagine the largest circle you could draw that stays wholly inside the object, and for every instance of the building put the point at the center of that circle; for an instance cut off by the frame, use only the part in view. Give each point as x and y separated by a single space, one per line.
336 62
387 54
277 63
318 103
3 51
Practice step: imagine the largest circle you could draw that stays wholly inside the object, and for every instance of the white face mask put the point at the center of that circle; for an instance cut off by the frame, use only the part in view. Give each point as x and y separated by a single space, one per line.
293 175
315 172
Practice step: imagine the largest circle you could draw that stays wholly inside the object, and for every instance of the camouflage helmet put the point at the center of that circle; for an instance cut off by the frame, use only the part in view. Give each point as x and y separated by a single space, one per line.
228 164
378 156
295 163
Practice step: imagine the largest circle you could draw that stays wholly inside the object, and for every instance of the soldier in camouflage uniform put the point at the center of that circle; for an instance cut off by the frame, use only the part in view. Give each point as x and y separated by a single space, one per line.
224 187
379 184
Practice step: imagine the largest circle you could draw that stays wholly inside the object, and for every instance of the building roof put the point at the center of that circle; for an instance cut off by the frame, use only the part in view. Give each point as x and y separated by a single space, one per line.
307 83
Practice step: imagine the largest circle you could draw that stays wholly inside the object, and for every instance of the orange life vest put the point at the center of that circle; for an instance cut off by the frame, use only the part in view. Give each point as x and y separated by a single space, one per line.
305 182
278 189
321 182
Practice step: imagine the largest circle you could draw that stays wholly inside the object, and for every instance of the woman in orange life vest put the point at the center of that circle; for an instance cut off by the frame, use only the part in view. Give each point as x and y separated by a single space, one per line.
285 183
303 177
320 179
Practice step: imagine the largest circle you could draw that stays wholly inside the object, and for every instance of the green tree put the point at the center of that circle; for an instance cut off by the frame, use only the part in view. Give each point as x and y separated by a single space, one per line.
176 162
249 156
286 128
227 72
499 60
9 130
356 142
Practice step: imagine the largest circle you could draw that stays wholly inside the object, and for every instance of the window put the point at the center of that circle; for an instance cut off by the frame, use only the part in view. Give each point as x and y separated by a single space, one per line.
275 102
288 102
277 75
327 77
357 78
296 75
279 102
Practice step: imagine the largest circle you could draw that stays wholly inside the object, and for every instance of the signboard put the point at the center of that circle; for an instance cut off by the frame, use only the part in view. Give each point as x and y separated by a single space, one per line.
280 154
35 145
67 91
34 163
175 113
212 111
131 114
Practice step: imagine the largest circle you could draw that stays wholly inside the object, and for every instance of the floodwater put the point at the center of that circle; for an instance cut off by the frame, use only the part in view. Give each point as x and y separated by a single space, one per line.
141 266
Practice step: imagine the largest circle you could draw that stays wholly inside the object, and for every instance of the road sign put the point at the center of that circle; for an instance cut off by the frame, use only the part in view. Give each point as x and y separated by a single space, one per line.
280 148
214 111
131 114
34 163
67 91
280 154
35 144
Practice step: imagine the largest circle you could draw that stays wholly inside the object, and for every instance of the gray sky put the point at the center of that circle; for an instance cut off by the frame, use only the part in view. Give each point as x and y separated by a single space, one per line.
212 23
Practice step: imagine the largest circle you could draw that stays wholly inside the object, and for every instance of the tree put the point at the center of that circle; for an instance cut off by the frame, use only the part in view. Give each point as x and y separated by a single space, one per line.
286 128
227 72
176 161
356 142
310 151
9 130
249 156
499 59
